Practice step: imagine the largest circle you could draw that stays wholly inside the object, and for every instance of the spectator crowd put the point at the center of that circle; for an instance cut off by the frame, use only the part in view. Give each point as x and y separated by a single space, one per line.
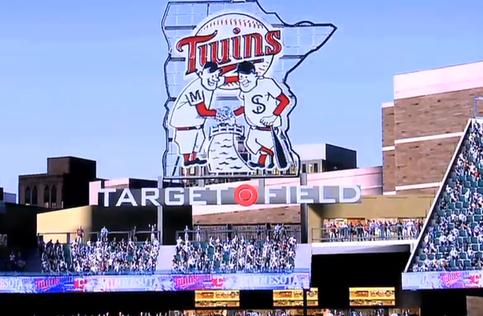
276 253
103 255
453 239
371 229
53 257
12 261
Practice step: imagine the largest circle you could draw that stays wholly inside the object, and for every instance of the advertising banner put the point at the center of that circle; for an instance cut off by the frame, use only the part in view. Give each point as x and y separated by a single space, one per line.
372 296
442 280
218 298
229 103
154 282
295 298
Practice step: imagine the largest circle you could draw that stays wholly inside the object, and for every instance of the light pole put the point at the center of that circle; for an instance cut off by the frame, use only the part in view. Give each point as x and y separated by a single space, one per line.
475 105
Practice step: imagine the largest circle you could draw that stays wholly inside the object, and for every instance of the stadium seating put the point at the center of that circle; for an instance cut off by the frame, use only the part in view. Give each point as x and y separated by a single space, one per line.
453 238
276 253
100 256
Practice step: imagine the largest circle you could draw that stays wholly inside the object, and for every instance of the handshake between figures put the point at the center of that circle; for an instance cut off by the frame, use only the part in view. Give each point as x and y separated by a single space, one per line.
224 114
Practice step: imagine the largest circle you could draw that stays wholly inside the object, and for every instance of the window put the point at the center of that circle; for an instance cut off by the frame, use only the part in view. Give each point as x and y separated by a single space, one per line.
27 195
311 168
304 168
35 199
53 195
46 196
316 167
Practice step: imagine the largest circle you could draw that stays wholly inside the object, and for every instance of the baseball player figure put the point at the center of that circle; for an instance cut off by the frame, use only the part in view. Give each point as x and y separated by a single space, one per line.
263 104
191 109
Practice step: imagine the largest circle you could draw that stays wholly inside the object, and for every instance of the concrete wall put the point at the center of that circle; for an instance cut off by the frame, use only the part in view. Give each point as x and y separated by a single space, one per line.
56 224
19 223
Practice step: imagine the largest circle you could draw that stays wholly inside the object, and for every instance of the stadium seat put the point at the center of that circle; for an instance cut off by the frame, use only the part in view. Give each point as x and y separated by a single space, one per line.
444 219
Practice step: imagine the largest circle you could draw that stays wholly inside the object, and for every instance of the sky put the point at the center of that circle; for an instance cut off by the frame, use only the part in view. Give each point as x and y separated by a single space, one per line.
84 78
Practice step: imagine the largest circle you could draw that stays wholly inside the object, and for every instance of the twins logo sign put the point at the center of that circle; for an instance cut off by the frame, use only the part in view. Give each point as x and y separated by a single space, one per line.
229 104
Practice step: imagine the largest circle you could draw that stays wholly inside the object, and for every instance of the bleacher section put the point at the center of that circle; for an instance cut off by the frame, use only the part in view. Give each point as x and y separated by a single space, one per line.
275 253
452 238
101 256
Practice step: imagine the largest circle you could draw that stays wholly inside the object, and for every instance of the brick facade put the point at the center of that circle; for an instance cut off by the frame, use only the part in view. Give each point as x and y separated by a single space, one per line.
389 171
286 215
424 161
388 126
434 114
427 105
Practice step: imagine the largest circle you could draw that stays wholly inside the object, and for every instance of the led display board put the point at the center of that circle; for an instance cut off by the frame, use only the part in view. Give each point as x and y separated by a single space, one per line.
372 296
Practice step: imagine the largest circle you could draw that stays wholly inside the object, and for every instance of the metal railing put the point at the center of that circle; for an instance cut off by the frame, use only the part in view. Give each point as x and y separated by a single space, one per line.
342 235
224 232
68 237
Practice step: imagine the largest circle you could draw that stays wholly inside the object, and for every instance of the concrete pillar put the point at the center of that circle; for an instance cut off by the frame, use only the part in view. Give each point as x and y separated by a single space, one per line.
159 215
304 214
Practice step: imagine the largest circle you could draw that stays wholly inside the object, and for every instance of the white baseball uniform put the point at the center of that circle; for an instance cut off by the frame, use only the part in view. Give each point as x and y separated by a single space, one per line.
184 117
260 102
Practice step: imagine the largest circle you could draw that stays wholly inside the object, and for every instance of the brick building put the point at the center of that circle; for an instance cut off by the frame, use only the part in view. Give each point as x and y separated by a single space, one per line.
66 184
422 126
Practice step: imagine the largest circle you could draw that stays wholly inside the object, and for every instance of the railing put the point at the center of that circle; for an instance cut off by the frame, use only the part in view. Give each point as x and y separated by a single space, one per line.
343 235
68 237
224 232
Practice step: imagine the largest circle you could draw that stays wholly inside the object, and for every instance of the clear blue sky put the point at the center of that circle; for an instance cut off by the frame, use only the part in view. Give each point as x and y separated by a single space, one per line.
84 78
